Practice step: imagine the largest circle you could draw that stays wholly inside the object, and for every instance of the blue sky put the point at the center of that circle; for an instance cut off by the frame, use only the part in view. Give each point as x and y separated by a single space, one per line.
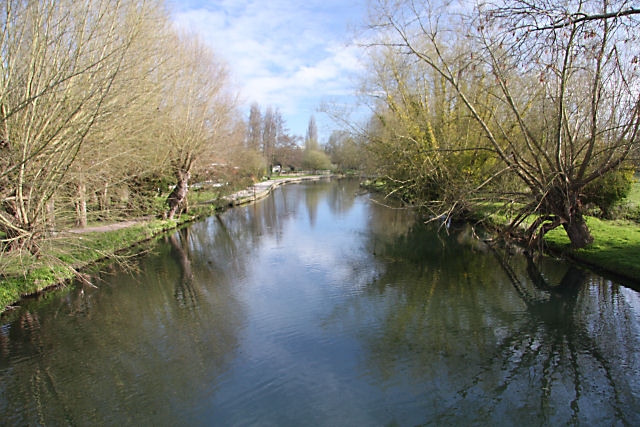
289 54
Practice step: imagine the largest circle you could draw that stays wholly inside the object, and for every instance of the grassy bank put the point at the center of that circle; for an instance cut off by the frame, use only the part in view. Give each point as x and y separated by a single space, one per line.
616 247
65 254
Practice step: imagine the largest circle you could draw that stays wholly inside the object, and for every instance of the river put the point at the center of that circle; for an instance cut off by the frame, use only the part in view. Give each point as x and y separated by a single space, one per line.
319 306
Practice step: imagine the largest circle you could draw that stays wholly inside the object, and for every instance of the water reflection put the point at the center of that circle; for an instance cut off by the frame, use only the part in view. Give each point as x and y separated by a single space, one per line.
185 293
141 346
340 197
489 338
320 307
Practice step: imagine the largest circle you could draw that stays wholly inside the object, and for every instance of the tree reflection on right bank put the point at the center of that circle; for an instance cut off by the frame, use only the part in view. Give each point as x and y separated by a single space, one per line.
491 337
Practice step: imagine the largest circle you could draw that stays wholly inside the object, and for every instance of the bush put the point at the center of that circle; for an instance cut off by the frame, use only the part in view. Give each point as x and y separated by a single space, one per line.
632 214
253 163
608 191
316 160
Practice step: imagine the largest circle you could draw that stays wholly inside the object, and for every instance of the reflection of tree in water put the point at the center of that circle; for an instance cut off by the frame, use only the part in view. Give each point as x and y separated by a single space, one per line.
313 194
247 226
185 293
387 225
341 195
570 360
480 347
311 202
143 348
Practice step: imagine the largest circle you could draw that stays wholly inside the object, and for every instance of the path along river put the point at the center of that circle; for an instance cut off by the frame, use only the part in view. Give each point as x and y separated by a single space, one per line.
316 306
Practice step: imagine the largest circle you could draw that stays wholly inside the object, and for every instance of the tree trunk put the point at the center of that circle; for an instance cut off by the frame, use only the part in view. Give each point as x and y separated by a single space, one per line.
104 199
81 206
179 193
578 231
51 214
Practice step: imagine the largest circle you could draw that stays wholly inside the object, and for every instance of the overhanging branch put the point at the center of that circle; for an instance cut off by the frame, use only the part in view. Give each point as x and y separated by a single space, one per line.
581 17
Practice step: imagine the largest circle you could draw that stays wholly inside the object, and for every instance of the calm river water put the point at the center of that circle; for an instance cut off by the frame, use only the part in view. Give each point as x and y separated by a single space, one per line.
317 306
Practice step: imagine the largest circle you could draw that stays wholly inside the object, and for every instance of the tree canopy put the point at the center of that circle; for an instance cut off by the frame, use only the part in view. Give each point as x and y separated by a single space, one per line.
521 103
98 98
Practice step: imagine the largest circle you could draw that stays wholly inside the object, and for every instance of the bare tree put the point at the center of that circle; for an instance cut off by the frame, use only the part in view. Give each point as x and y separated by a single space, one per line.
120 147
311 139
565 78
59 61
287 152
269 136
197 110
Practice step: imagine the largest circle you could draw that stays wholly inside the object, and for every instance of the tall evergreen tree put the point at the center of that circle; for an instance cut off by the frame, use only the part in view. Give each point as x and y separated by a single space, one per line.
254 129
311 140
269 136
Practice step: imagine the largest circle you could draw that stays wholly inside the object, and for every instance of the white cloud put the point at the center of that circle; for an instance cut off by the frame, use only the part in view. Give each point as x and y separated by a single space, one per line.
283 53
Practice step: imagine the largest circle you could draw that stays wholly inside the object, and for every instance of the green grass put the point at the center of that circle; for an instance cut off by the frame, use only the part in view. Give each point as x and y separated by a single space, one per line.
196 197
616 246
378 185
68 252
633 199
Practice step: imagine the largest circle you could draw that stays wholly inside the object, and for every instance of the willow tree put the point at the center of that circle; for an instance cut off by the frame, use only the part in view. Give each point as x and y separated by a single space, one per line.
59 60
420 139
121 147
197 111
565 79
400 133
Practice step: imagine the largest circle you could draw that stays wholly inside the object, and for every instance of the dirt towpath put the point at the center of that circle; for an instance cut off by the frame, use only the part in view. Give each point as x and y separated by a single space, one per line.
109 227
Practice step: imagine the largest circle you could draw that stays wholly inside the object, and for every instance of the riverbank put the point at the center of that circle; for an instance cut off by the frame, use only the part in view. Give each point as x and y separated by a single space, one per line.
615 250
616 247
260 190
69 252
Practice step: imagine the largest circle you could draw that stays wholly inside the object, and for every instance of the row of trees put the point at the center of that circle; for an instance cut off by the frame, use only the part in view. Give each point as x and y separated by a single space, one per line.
532 105
268 136
101 100
269 140
535 105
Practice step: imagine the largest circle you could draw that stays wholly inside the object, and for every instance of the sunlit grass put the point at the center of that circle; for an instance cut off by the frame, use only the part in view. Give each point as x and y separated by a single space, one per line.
616 246
633 199
65 254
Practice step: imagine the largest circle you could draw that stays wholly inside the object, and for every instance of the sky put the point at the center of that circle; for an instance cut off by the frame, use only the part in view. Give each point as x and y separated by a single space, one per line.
292 55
